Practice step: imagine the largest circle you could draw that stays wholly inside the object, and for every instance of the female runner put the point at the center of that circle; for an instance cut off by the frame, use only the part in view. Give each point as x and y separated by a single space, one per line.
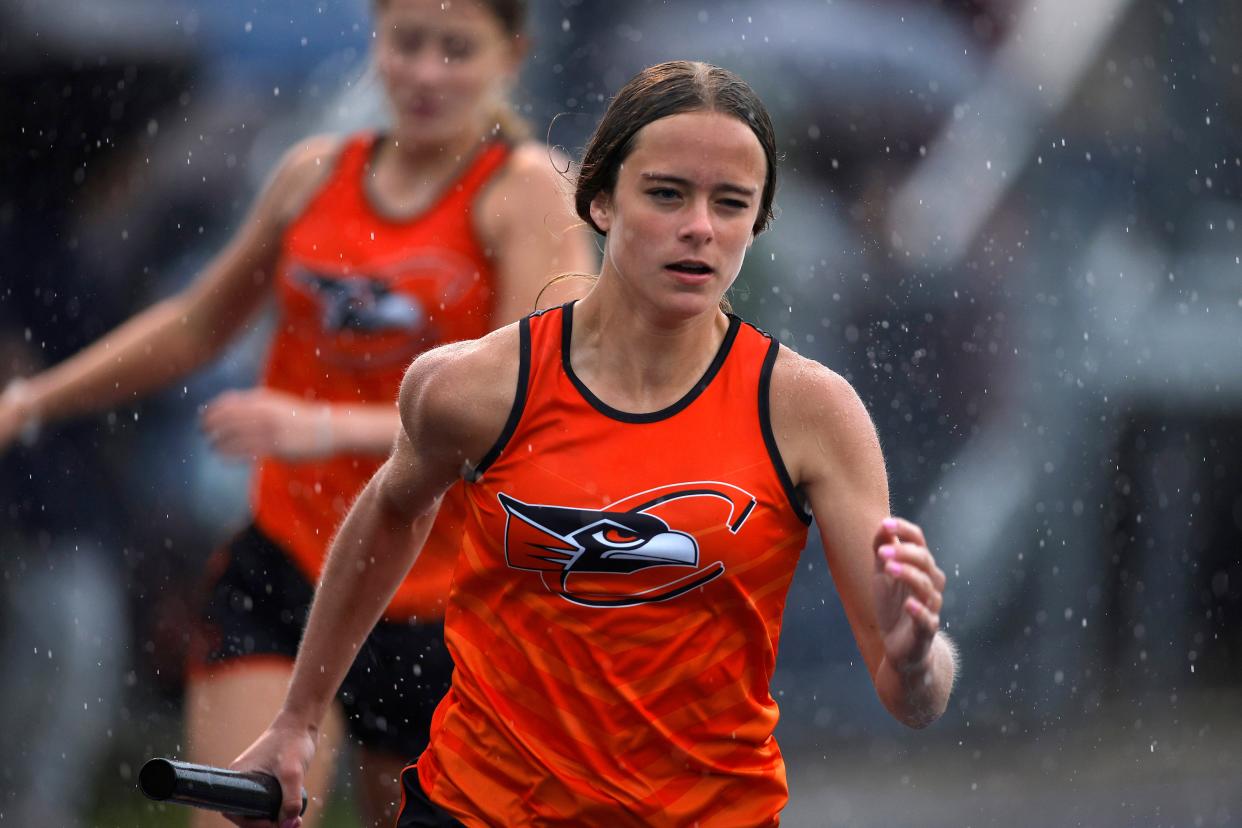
641 470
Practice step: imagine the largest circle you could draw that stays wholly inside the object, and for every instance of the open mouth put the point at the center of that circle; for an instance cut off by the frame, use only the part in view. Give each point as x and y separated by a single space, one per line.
690 267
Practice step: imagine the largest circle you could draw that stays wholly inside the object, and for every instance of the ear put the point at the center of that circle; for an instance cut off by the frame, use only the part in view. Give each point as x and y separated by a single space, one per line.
750 239
601 211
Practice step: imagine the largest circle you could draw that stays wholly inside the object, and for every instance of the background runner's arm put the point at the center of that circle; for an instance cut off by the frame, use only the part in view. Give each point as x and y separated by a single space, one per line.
262 422
177 335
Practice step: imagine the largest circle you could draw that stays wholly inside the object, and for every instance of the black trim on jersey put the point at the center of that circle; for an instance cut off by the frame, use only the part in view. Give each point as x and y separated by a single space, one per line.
769 437
567 325
519 402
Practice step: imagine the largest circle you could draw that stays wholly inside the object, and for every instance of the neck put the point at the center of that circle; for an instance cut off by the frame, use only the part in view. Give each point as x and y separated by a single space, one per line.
407 176
409 155
637 360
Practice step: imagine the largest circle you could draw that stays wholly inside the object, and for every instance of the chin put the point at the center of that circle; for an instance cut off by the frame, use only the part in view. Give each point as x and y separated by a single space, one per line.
423 131
688 304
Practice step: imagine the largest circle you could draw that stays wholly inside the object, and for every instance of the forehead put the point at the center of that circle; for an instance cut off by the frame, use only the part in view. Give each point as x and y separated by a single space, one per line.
704 147
456 14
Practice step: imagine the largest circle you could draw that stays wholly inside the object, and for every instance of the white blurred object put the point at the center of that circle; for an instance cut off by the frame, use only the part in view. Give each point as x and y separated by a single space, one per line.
981 151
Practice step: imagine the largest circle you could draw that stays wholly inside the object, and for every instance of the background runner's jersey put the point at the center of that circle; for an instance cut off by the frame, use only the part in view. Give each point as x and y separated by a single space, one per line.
617 604
360 295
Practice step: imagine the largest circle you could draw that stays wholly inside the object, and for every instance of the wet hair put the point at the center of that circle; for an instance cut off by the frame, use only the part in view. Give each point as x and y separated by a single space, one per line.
512 16
660 91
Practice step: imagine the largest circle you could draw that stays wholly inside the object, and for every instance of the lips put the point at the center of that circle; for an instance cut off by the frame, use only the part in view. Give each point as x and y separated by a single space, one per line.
690 267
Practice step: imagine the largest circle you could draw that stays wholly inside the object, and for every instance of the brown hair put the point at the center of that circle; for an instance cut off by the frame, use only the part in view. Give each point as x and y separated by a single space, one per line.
512 15
658 92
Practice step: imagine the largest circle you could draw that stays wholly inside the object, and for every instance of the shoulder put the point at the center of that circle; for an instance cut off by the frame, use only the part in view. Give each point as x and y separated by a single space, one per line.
539 161
821 424
301 172
457 397
534 181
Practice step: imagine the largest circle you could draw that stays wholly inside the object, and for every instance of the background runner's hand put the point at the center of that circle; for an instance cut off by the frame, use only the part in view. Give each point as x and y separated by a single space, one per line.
909 592
285 750
15 414
262 423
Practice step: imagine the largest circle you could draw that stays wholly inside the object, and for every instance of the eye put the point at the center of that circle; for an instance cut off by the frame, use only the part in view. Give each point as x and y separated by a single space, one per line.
734 203
408 42
664 193
458 48
616 537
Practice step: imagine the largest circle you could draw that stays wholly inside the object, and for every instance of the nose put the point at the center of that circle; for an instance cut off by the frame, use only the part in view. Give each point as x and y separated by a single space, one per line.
427 66
697 224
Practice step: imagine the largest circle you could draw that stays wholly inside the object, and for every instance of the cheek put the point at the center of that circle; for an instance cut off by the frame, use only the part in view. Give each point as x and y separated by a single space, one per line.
386 64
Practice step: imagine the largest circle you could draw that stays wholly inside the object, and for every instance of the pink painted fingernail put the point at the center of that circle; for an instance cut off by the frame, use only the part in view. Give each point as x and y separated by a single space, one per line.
887 552
893 568
890 524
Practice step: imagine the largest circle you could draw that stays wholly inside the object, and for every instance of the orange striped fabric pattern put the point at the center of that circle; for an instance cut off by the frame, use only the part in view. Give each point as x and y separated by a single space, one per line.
617 605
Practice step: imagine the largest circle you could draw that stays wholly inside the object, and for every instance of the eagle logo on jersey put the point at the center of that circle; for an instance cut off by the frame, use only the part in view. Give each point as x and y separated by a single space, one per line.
619 556
361 304
384 315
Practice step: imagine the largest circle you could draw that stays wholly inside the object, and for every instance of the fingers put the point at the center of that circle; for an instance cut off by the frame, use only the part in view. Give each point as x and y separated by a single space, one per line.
900 530
926 621
291 776
913 555
235 425
239 445
919 583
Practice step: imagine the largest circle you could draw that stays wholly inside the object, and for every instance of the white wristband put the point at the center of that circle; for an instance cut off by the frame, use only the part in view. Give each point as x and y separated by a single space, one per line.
323 431
18 393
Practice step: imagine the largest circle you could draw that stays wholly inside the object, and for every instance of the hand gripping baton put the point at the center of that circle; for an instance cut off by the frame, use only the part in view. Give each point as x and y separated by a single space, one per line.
248 794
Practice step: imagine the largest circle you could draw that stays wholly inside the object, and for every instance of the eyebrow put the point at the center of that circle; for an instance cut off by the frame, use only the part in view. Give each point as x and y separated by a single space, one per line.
685 182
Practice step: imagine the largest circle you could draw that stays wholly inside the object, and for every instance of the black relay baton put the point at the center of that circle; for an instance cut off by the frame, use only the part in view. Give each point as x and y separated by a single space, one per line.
249 794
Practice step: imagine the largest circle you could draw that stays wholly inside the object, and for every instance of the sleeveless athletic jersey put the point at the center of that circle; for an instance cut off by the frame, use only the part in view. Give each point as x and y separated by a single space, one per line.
617 604
360 295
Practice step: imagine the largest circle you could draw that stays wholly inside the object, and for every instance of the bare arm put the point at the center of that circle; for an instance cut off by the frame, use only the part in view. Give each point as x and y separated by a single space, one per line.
177 335
527 220
887 578
262 422
453 403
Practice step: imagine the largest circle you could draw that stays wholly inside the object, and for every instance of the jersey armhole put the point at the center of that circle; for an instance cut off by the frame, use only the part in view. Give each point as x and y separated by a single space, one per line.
796 501
519 404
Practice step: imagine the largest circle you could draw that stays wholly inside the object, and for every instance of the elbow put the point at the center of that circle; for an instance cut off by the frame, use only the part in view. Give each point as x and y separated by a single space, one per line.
916 711
919 719
193 338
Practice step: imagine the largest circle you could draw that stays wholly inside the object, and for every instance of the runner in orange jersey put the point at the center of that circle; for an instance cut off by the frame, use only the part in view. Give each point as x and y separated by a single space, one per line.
375 247
641 470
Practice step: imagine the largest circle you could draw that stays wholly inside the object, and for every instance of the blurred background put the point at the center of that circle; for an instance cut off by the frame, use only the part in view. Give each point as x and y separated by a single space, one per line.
1012 225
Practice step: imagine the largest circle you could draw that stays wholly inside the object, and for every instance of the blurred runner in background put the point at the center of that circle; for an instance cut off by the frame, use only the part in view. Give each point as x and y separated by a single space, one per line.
375 247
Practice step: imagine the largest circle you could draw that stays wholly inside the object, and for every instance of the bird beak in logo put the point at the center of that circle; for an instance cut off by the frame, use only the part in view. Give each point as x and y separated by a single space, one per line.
587 542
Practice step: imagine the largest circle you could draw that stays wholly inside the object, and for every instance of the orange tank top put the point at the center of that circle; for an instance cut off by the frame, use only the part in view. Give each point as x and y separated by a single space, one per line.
359 295
617 604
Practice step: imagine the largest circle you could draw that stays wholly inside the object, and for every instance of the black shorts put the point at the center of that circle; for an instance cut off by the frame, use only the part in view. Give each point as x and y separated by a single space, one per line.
257 601
417 811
